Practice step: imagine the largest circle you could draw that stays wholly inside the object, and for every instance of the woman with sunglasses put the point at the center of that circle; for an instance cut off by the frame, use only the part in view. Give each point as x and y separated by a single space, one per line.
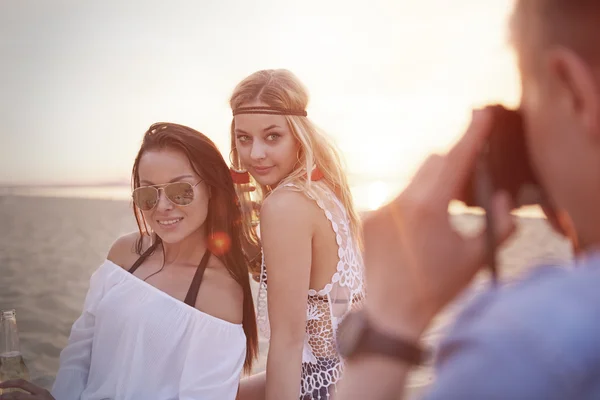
169 314
309 233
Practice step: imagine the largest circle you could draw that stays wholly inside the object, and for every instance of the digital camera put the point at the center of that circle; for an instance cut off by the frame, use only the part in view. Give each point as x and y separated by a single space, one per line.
503 164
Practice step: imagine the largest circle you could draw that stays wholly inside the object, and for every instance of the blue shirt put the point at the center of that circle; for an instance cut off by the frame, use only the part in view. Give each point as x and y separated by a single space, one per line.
537 339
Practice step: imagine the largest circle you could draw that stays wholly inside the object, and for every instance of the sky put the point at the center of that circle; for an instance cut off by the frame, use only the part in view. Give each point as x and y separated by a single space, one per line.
390 80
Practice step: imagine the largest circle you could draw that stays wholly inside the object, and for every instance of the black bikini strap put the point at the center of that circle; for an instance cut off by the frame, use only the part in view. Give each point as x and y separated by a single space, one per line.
190 298
142 258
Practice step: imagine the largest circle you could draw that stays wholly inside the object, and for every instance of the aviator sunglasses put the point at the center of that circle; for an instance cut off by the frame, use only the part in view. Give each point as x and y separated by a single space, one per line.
178 193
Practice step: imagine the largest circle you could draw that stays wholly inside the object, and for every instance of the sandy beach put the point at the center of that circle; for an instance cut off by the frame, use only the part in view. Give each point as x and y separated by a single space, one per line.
49 247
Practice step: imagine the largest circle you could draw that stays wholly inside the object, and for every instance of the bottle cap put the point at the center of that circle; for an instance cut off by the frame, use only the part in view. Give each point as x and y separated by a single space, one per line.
6 314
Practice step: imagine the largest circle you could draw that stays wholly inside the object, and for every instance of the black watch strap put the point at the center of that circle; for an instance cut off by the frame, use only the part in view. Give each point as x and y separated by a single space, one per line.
375 342
357 335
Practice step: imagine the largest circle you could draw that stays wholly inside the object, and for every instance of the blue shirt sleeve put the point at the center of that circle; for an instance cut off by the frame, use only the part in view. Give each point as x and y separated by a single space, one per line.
537 340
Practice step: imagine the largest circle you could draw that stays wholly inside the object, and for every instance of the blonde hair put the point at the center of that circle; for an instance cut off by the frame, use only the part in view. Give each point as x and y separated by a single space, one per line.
280 88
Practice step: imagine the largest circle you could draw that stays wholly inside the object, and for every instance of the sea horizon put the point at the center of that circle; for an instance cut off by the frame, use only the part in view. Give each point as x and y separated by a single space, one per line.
367 195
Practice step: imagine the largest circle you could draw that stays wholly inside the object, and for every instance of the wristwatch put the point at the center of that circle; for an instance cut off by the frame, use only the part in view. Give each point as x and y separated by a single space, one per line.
356 335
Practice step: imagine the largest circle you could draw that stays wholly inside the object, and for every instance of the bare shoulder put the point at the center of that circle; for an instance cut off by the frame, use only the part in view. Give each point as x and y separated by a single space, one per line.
122 252
221 295
287 204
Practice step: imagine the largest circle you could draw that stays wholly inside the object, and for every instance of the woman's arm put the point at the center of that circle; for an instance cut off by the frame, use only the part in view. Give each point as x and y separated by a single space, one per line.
75 358
252 387
72 375
286 232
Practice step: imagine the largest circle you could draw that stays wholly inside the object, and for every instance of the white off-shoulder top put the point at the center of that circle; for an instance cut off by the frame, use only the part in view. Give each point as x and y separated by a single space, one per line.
135 342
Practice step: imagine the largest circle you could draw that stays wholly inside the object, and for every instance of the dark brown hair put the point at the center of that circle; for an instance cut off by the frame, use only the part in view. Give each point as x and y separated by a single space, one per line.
224 216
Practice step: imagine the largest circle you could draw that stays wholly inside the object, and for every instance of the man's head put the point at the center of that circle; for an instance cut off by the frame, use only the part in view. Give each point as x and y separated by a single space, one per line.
558 47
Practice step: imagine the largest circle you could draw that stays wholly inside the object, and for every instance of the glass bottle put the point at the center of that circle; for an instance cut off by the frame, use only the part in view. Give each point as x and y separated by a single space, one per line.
12 365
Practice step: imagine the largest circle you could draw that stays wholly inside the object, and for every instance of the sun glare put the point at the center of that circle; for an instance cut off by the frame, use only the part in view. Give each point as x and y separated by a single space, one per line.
378 193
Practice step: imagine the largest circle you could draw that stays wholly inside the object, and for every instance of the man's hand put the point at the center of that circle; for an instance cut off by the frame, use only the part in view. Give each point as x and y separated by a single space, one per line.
33 392
561 223
416 262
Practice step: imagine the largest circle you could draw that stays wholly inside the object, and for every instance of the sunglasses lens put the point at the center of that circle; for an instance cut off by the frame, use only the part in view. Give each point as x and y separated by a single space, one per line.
180 193
145 197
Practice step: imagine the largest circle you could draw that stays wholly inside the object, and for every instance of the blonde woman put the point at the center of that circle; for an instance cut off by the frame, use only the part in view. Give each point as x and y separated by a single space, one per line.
309 232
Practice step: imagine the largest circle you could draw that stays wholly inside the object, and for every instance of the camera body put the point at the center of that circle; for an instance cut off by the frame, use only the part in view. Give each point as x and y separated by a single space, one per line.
504 163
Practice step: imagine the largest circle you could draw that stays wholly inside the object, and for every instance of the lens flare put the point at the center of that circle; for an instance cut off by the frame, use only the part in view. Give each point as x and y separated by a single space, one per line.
219 243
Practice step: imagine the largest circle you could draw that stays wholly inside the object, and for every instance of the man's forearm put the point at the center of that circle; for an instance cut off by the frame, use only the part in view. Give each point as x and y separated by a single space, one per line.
381 377
374 378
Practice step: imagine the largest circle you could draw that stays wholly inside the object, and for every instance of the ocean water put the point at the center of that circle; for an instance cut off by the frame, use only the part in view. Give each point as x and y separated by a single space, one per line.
50 246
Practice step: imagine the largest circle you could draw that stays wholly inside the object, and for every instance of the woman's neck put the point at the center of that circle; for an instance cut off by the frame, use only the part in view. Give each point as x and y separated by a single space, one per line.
188 251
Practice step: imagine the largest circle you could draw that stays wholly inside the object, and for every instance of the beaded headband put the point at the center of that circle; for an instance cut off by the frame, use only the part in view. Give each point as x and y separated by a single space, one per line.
153 131
269 110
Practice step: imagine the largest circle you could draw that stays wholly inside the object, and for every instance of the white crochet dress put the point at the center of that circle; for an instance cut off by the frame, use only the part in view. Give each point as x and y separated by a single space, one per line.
322 367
